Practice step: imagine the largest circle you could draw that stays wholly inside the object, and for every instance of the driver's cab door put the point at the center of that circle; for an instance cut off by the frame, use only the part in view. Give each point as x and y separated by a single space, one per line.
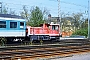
55 29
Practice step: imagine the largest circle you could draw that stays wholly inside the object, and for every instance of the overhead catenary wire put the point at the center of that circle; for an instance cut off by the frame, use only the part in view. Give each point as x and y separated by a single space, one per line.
44 3
61 8
53 0
71 3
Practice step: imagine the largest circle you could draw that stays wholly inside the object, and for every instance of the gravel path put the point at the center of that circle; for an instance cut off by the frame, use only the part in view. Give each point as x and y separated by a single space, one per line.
85 56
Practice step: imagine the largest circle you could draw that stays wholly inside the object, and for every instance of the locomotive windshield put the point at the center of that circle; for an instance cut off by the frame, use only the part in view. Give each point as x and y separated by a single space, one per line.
55 27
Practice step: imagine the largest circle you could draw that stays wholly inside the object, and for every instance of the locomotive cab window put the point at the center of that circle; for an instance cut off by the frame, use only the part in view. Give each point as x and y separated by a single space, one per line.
54 27
2 24
21 25
13 24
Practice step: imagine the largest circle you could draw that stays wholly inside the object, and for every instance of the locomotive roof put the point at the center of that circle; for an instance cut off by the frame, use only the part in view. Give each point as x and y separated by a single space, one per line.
11 16
45 24
48 24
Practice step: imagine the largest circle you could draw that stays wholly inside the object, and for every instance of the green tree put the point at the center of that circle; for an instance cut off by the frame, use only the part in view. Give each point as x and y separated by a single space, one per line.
25 13
12 12
84 24
83 32
4 10
36 17
76 20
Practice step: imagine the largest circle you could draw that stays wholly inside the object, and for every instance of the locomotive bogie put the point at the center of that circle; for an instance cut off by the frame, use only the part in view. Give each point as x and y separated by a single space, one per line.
39 37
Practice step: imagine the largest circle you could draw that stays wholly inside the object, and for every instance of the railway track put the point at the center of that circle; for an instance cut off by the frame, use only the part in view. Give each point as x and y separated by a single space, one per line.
63 48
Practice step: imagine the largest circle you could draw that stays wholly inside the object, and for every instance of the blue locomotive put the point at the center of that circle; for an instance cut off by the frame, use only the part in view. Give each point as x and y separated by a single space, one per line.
12 27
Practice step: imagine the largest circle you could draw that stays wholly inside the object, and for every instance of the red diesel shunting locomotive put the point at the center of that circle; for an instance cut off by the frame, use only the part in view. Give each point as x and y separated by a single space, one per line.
44 32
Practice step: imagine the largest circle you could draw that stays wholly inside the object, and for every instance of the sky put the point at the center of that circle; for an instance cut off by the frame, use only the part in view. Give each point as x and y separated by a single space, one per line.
66 6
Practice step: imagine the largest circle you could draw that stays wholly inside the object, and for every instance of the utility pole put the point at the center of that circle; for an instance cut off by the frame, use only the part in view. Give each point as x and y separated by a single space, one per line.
1 6
88 20
58 9
59 16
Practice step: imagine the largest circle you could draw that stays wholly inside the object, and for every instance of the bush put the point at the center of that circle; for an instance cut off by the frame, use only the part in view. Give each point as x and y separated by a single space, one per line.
2 41
82 32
